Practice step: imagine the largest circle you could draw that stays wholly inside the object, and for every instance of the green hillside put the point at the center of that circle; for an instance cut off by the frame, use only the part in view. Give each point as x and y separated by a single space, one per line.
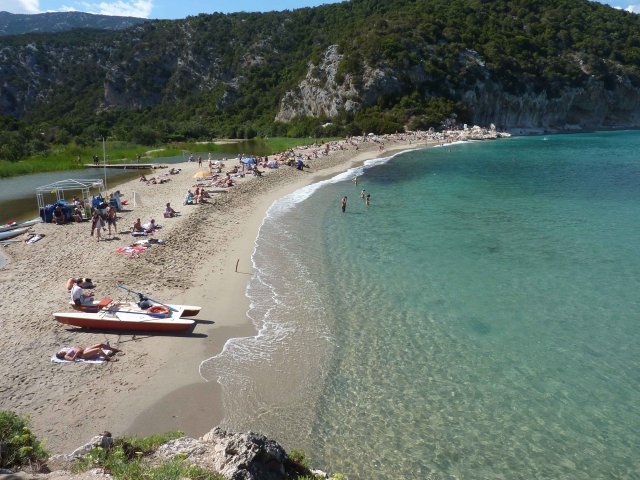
401 64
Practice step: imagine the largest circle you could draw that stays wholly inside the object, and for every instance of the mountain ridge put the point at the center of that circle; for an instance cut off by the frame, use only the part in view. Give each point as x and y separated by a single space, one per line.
17 23
338 69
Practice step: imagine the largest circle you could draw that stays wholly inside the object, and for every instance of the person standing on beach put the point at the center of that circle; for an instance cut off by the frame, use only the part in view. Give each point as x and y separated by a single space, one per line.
344 203
97 224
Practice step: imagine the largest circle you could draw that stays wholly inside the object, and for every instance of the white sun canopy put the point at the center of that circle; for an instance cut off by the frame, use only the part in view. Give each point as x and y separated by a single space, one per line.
63 187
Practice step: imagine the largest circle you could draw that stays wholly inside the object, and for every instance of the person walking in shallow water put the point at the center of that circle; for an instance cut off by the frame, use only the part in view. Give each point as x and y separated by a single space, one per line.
344 203
367 199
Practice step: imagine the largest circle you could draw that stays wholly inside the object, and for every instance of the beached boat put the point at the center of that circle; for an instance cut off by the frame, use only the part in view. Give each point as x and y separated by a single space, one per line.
105 303
13 226
13 233
129 316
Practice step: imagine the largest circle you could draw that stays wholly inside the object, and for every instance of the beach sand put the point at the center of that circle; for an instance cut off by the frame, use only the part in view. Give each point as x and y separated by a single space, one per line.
155 386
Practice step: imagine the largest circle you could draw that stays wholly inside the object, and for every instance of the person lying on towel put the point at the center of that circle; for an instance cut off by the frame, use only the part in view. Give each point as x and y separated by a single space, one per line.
100 351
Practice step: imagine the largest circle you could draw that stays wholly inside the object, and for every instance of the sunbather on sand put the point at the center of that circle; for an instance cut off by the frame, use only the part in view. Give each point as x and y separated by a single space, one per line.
150 227
100 351
169 212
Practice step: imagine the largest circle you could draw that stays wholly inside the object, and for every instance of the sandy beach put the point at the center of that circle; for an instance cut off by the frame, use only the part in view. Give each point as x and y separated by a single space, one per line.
155 386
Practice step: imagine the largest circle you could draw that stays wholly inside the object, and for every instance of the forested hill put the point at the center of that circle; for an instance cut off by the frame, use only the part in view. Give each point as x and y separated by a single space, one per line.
15 24
372 65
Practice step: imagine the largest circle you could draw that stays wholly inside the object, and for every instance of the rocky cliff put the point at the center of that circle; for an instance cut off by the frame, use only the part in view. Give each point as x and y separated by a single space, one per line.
591 106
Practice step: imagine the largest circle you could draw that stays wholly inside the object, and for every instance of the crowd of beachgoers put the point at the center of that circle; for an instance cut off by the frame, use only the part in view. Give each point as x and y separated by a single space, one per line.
179 238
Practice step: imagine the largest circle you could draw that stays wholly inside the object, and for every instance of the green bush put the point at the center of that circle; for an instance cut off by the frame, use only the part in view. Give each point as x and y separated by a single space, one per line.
18 445
298 457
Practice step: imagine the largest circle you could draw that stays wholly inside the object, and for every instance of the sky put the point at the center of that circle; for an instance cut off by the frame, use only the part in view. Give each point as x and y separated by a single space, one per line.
174 9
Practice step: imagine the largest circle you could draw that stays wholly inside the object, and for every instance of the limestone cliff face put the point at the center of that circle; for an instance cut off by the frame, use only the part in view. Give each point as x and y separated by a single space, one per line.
321 94
590 107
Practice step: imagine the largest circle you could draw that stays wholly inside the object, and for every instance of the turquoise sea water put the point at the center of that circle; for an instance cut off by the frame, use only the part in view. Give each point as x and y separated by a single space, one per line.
479 320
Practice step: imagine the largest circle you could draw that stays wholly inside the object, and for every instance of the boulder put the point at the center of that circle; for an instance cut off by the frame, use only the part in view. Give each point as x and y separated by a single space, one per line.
236 456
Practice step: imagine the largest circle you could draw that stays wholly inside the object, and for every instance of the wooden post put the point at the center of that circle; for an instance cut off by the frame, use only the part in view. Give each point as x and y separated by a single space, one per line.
237 265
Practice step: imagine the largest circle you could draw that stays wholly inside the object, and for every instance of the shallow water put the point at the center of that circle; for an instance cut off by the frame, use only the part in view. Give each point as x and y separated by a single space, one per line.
478 320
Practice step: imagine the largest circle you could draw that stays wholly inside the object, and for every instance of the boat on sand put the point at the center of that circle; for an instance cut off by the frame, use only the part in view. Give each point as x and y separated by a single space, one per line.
13 226
145 314
13 233
108 315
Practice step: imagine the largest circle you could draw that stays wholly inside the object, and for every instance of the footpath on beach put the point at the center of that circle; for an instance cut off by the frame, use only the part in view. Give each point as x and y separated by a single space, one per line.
199 257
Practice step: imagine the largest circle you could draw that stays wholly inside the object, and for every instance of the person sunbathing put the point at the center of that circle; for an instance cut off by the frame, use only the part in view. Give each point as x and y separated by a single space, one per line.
100 351
151 227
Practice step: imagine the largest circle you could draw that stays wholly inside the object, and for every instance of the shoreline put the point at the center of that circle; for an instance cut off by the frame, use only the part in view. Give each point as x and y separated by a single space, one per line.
155 387
208 404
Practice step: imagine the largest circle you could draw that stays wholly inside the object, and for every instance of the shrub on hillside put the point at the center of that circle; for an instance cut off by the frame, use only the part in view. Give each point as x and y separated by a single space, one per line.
18 445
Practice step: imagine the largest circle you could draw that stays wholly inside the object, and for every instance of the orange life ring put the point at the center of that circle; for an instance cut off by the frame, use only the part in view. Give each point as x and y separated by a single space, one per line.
158 309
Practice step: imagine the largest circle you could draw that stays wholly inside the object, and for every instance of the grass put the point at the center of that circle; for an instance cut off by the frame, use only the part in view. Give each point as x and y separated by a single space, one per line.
66 157
126 460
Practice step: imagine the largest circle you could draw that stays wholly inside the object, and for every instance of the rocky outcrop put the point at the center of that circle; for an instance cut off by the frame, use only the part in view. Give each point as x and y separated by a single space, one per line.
589 107
323 93
236 456
319 94
104 440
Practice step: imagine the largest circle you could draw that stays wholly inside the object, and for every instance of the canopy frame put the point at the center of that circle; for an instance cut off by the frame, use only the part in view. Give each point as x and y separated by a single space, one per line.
70 185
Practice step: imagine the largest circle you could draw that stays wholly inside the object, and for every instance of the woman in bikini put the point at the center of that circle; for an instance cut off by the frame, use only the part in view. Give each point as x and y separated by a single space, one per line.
100 351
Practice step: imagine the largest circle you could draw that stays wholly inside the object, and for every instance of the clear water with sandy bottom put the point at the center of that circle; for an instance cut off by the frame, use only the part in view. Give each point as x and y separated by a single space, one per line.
479 320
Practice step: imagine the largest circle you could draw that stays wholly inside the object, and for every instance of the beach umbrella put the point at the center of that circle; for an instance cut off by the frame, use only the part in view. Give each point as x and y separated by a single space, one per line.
202 174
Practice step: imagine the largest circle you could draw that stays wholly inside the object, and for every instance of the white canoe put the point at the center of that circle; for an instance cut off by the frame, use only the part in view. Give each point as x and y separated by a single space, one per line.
13 233
13 226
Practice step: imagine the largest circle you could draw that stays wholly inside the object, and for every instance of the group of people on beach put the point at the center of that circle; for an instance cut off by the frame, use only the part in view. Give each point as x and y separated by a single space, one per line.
160 179
101 219
81 296
140 228
199 196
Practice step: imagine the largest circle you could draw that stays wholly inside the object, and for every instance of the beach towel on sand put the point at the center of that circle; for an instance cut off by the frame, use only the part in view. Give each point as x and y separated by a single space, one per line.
130 250
77 360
